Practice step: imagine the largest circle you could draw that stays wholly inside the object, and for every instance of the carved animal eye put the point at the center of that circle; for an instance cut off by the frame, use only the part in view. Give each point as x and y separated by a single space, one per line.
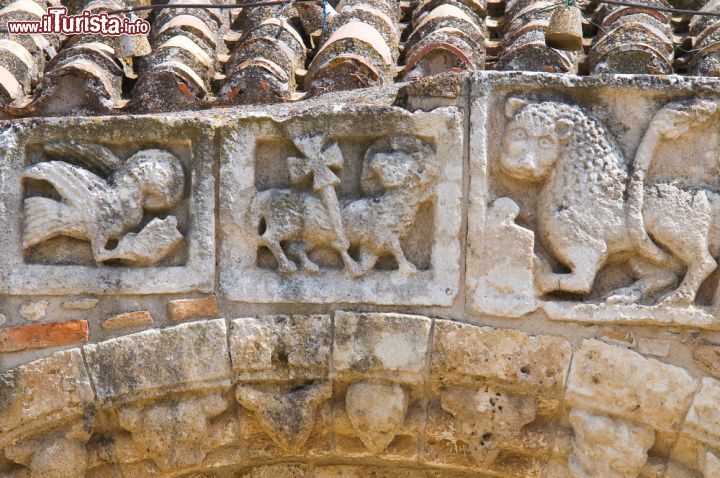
519 135
545 142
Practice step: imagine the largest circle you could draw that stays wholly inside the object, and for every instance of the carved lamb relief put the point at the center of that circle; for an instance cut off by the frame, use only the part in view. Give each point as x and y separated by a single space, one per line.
127 211
346 211
619 232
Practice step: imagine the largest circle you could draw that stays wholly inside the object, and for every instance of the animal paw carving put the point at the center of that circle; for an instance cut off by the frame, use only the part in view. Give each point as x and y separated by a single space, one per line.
544 276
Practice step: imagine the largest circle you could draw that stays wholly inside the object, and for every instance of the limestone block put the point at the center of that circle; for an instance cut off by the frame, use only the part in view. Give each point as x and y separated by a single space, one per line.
281 347
292 417
83 303
701 429
293 210
172 433
607 379
285 470
34 311
378 418
392 345
502 273
487 428
377 412
57 454
610 254
191 356
62 182
707 356
606 447
534 365
43 394
486 419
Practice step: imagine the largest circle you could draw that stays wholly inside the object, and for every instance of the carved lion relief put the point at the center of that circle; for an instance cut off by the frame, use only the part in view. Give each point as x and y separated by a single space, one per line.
346 210
620 232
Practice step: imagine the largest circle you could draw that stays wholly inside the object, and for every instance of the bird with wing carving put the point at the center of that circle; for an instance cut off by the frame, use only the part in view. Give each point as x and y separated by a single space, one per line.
101 210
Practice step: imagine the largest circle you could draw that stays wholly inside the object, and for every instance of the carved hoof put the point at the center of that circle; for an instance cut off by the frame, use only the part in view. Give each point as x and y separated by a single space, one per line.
287 268
624 296
311 268
408 270
354 270
678 299
543 274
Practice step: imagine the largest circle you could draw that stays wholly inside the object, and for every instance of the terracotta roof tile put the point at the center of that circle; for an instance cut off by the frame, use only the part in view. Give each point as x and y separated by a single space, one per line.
198 58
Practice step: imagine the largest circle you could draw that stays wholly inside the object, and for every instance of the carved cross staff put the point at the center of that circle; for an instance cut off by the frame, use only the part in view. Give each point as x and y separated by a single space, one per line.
322 160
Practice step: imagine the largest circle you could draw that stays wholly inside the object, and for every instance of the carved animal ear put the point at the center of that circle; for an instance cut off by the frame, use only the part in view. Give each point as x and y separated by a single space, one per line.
563 127
513 105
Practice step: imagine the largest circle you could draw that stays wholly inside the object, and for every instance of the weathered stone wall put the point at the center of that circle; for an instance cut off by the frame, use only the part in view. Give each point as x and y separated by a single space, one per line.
504 275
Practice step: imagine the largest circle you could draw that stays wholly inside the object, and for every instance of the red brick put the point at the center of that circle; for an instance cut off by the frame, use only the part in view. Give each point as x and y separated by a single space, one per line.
128 319
184 309
38 336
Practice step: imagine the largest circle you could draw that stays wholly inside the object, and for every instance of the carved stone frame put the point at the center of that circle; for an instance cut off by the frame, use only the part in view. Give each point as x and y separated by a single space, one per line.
198 273
240 278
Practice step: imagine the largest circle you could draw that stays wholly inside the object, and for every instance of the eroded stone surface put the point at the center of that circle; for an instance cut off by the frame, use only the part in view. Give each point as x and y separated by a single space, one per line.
707 356
34 311
622 383
376 411
185 357
104 207
281 347
172 433
381 344
292 208
60 390
607 447
288 416
463 353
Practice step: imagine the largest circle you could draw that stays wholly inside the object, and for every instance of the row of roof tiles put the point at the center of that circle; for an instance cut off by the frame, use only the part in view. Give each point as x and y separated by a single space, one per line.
196 58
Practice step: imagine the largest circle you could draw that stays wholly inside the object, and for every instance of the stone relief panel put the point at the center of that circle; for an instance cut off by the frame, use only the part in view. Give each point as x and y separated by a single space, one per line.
595 211
98 209
362 206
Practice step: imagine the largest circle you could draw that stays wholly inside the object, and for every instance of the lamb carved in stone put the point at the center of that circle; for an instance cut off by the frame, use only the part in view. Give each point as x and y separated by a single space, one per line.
398 175
589 210
98 210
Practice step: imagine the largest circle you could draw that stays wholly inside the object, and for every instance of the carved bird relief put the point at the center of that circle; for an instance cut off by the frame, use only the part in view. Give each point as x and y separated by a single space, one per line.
98 210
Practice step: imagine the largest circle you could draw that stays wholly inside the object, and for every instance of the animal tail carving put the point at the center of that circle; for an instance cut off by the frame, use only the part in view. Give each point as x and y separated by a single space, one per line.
259 208
672 121
636 224
46 218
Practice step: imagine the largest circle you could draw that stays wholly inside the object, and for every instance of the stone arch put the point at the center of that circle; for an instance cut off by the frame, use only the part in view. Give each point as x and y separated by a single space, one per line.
343 395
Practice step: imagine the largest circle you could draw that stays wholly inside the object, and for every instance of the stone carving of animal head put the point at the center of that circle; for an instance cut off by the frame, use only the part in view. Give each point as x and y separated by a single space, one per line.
533 139
159 176
398 162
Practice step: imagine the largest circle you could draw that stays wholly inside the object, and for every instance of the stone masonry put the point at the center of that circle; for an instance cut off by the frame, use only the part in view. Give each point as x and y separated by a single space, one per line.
474 275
